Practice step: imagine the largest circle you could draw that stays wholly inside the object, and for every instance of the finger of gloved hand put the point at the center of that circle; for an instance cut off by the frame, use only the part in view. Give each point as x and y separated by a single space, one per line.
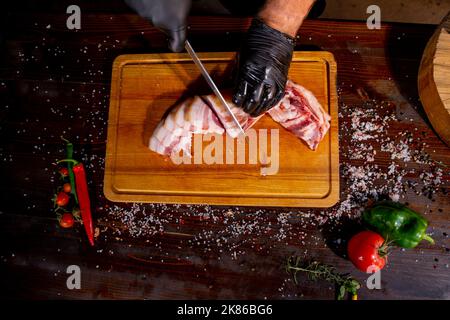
268 98
240 93
250 103
256 99
177 39
275 99
266 103
265 98
260 109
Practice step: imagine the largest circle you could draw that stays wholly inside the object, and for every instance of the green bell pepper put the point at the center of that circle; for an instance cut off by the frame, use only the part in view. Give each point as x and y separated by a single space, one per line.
397 223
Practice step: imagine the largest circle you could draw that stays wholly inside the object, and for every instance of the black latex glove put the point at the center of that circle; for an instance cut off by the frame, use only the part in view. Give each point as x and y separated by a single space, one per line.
168 15
263 67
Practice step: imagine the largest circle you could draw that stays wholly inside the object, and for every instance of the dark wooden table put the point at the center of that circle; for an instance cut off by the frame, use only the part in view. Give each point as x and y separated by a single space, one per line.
55 81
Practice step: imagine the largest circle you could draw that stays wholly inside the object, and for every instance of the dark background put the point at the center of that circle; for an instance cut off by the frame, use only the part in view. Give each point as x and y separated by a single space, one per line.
56 82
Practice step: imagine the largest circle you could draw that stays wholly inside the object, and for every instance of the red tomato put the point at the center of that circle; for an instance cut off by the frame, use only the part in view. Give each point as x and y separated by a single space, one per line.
64 172
367 249
66 220
67 187
62 199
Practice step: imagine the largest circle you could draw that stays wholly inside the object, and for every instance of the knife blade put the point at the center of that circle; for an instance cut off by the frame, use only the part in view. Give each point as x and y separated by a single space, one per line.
211 83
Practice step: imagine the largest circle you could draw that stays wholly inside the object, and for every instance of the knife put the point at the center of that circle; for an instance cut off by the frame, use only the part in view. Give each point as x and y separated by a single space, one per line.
211 83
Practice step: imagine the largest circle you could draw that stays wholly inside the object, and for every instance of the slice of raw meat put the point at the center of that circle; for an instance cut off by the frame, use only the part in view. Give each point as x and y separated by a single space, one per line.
245 120
174 132
300 113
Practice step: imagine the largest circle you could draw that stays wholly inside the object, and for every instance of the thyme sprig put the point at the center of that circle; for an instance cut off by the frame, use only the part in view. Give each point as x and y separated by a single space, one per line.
318 271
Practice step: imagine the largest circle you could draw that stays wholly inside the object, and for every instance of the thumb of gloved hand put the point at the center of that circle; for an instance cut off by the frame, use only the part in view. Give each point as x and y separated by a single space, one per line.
177 38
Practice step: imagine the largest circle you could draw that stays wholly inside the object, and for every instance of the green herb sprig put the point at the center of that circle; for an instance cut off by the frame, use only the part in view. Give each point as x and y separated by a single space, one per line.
318 271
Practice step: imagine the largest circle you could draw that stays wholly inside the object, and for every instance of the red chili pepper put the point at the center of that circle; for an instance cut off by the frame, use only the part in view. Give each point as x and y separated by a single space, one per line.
83 200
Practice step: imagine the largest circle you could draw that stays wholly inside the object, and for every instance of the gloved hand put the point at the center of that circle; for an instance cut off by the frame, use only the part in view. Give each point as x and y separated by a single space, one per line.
168 15
263 66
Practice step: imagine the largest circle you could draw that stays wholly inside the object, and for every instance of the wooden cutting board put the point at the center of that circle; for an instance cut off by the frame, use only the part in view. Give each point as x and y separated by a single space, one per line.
144 87
434 80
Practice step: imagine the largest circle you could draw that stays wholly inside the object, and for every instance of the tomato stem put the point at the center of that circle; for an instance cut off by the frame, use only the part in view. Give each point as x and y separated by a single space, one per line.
384 249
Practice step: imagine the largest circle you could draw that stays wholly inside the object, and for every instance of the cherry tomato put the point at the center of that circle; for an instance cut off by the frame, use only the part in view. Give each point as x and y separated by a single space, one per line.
367 251
67 187
66 220
64 172
61 199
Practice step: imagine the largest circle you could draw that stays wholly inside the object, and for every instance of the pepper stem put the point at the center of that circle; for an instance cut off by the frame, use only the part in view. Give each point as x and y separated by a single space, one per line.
428 238
65 140
74 162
